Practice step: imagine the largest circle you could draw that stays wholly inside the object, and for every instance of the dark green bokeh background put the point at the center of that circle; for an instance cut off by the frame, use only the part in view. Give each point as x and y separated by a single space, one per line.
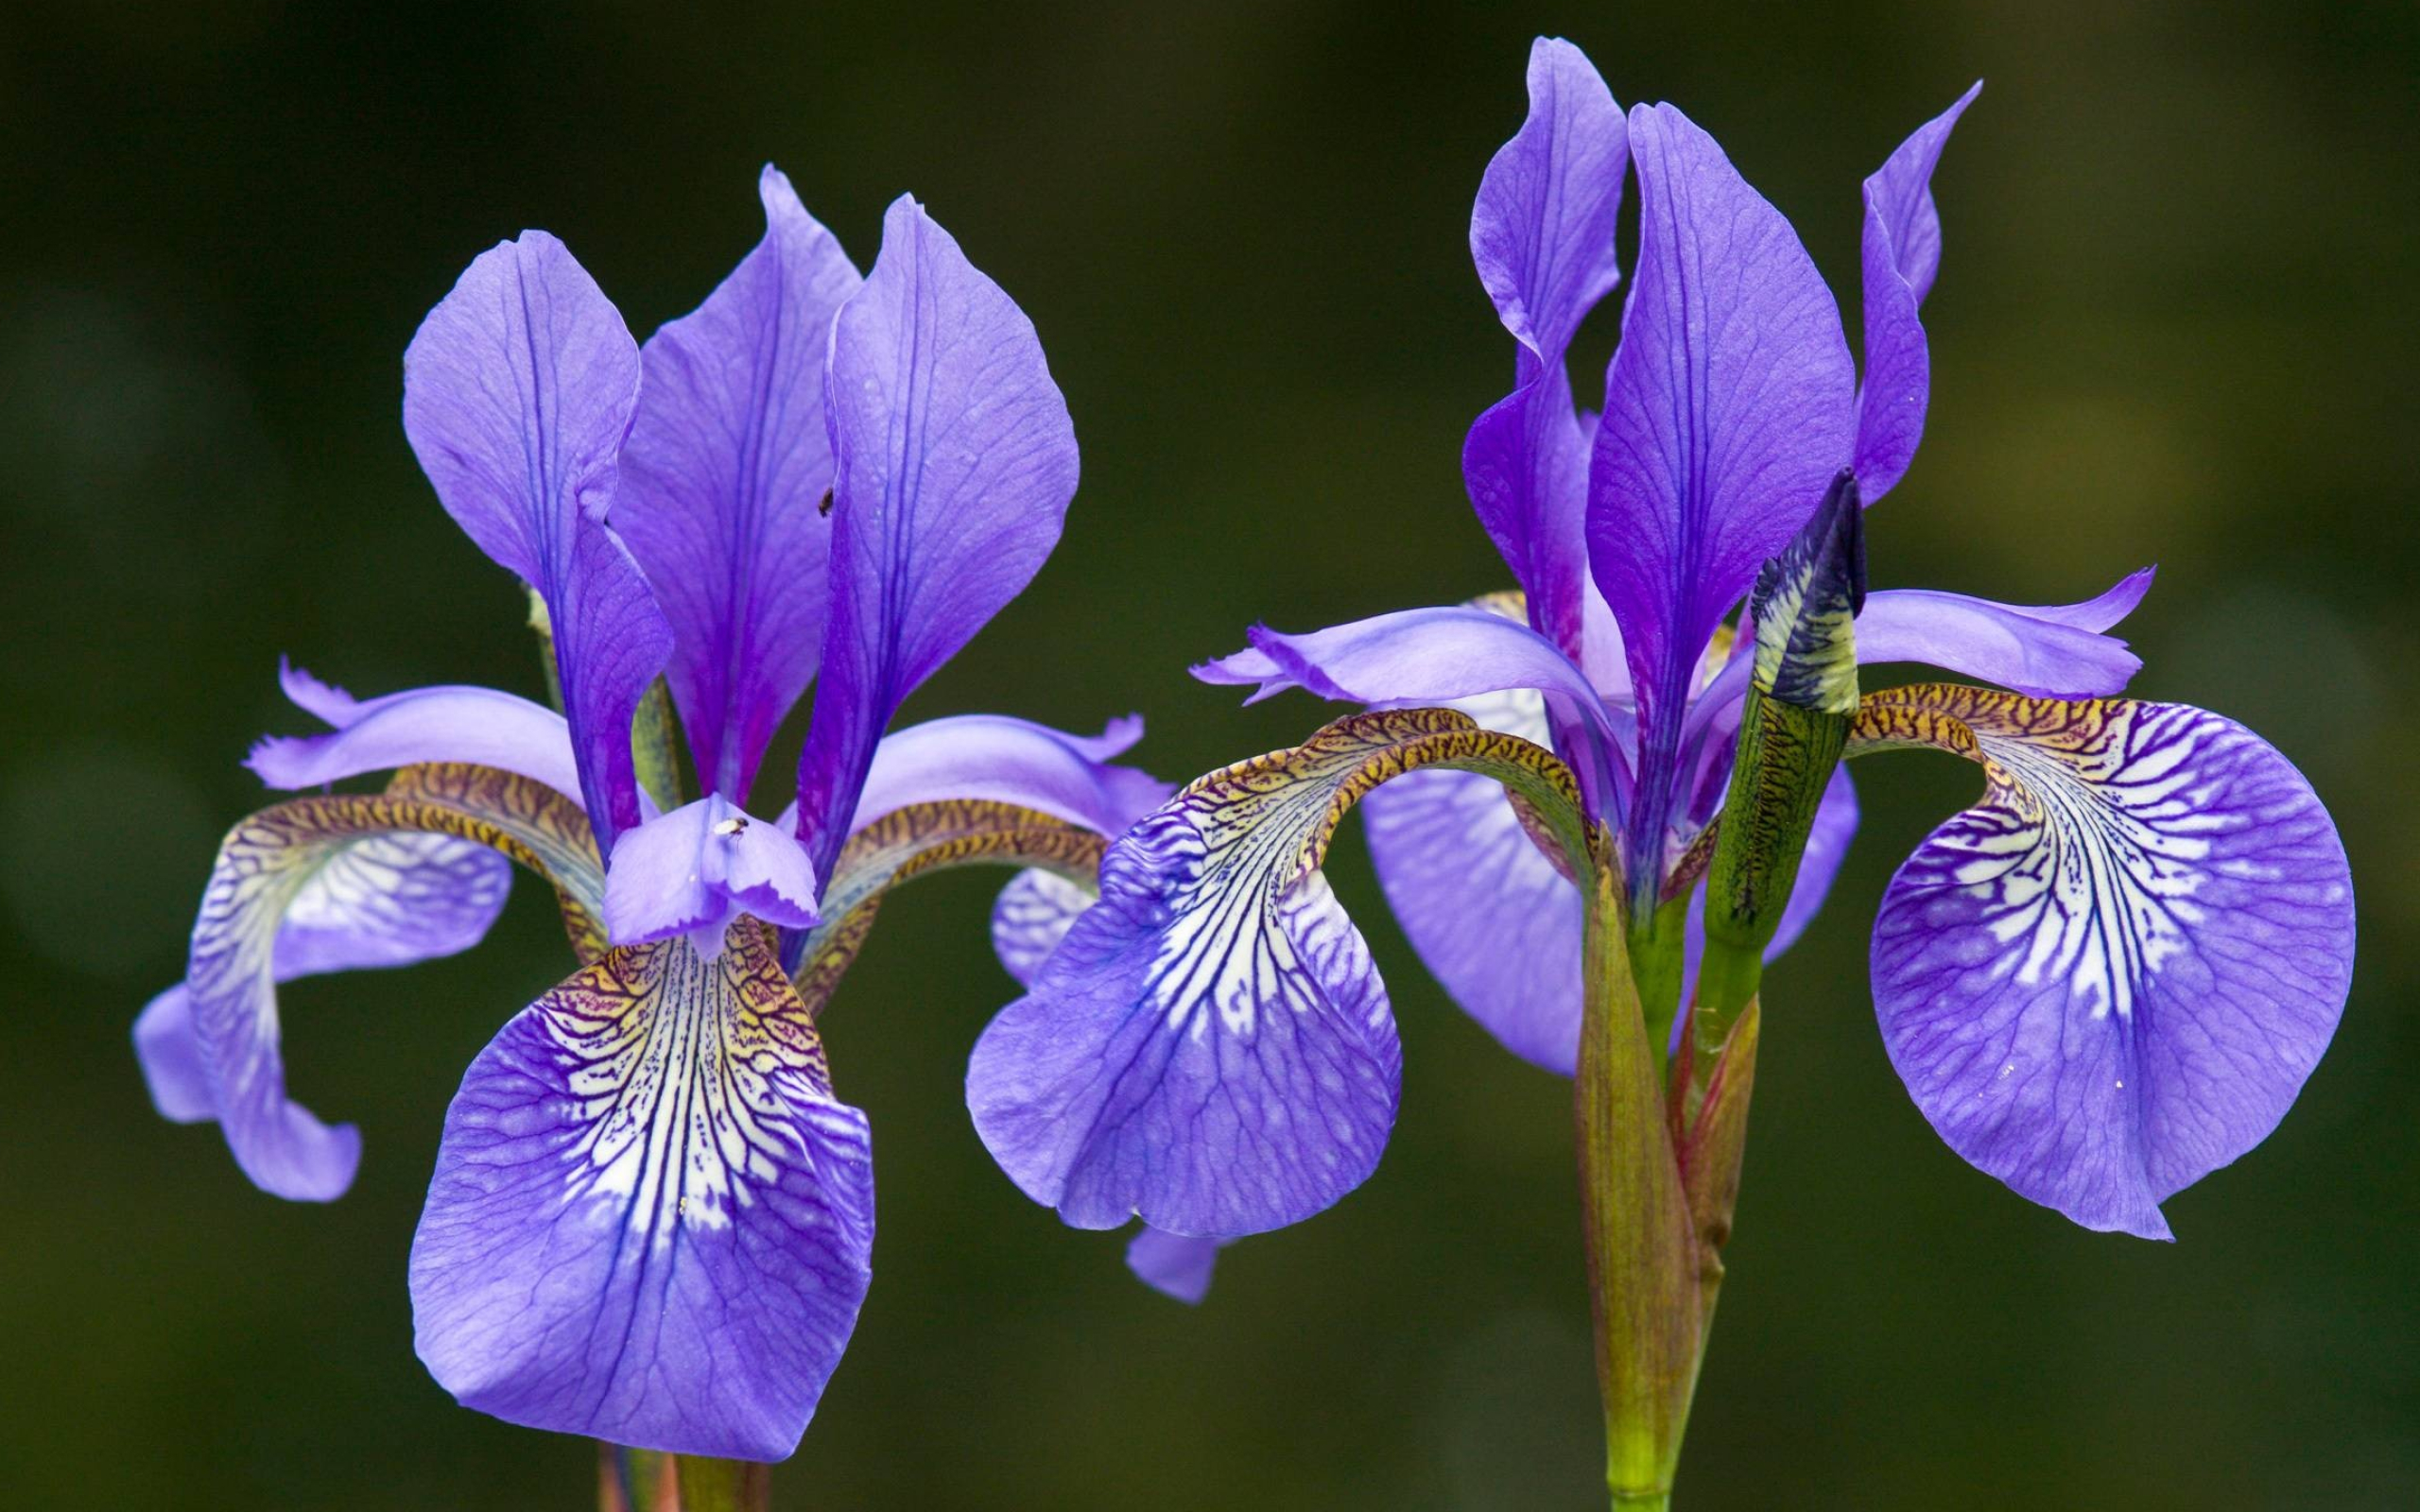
2176 323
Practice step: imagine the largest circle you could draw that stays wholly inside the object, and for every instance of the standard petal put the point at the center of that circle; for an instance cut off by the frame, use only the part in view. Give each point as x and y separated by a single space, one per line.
1493 919
651 1222
1002 760
359 880
694 871
1210 1046
954 461
1174 1266
480 726
518 390
1030 916
1542 237
722 482
1901 251
1727 412
2112 975
2027 649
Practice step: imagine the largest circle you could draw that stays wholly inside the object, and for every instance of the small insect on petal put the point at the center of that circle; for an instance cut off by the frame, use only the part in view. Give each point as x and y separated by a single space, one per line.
736 824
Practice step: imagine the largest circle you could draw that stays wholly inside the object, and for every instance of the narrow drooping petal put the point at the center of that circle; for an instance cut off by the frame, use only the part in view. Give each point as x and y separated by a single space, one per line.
1030 916
1174 1266
1542 237
1494 921
1002 760
1429 656
699 867
363 880
2013 646
2112 975
954 463
651 1222
518 391
1727 412
1210 1046
480 726
1901 252
727 465
389 900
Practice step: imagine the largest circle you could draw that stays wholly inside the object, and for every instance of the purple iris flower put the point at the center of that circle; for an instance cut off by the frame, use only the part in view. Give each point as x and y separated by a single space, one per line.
2106 979
651 1219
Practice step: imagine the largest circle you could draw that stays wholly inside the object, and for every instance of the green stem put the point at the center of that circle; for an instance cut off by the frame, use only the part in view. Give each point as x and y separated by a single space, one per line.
644 1479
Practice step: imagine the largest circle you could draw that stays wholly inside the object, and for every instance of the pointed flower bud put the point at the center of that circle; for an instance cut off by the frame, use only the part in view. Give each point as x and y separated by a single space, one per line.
1803 602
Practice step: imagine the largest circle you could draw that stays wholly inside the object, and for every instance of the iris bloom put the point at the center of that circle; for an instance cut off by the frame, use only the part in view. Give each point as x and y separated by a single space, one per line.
652 1218
2104 980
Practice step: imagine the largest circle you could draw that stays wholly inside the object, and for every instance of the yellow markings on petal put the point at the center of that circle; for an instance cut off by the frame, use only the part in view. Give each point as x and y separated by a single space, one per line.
523 819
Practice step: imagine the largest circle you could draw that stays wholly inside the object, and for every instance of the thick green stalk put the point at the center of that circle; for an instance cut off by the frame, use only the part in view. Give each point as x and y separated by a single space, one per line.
643 1480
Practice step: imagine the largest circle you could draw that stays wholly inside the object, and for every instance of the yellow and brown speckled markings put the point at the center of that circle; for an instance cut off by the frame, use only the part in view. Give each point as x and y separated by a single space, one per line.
526 820
923 837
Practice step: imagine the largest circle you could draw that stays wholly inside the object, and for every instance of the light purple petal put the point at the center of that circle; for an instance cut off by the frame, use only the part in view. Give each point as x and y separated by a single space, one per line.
1210 1046
954 463
1542 237
652 1222
2026 649
1174 1266
288 900
173 1069
1013 761
518 391
479 726
722 482
1727 412
1494 922
694 871
1030 916
1901 251
2112 975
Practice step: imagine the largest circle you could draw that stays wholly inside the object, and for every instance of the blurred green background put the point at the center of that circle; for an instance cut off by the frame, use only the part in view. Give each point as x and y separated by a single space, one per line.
2176 323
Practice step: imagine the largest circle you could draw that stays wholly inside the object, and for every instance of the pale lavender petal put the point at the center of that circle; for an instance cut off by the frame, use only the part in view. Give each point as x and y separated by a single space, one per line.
1030 916
1542 237
1728 410
1013 761
722 482
652 1222
954 461
2099 613
518 391
330 704
1494 922
1209 1047
2112 976
2015 648
1175 1265
694 869
1901 251
479 726
173 1069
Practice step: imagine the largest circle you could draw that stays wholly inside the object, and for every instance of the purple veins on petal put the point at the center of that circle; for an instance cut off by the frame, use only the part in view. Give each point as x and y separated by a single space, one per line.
2112 975
954 464
651 1222
1030 916
2053 652
1005 760
696 870
518 391
728 463
1900 253
479 726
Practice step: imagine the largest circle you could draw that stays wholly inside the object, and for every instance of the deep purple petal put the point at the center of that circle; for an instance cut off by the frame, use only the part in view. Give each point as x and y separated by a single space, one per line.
1542 237
651 1222
2004 644
1901 251
722 483
1174 1266
1013 761
2112 976
954 462
1490 917
694 871
479 726
1030 916
1210 1046
518 390
1727 412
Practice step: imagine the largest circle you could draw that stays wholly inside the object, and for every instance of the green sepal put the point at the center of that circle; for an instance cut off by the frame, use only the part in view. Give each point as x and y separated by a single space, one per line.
655 748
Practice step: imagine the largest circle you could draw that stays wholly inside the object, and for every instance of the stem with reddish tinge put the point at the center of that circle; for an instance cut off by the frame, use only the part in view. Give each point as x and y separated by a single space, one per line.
640 1480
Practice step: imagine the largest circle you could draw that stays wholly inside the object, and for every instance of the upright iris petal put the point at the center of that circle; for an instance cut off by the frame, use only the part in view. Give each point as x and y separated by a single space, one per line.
1901 251
723 484
518 390
954 464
